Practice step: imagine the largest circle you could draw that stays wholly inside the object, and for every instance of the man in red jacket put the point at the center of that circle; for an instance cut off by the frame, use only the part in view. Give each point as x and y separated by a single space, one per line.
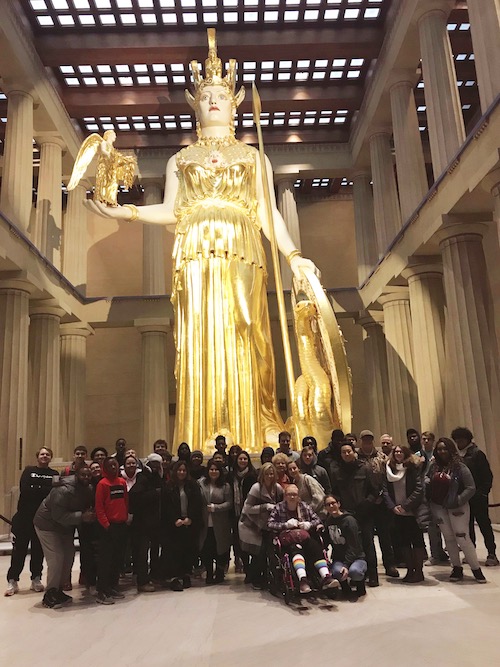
111 507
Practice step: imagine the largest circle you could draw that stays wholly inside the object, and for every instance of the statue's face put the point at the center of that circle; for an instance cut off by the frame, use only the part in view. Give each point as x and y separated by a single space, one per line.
215 107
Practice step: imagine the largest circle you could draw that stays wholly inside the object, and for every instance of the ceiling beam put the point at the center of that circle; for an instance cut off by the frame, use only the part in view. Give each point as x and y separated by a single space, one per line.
182 46
144 100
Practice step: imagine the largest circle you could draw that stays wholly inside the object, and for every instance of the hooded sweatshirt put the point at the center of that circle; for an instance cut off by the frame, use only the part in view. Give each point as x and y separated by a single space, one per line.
111 500
343 535
62 509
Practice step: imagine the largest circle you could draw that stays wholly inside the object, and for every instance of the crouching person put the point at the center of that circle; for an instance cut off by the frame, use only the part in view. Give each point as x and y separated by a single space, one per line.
348 557
111 506
293 521
66 506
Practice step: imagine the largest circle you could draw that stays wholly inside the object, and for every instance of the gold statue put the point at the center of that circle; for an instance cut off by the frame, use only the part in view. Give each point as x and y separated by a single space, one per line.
112 167
216 205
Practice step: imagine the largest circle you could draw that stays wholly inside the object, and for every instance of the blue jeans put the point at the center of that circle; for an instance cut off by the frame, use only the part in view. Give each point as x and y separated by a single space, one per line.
357 570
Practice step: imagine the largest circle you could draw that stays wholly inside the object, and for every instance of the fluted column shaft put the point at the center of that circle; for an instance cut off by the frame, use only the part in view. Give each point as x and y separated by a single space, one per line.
425 284
399 344
410 164
287 206
385 194
44 381
153 254
73 385
14 325
472 351
154 382
364 220
17 171
75 239
444 111
377 377
48 221
484 17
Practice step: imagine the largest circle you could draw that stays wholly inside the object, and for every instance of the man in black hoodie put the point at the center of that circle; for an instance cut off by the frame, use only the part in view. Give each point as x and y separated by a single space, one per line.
478 464
63 509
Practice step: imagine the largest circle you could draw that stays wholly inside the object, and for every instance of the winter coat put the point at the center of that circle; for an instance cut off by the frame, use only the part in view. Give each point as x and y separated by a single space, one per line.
415 503
462 486
353 483
342 532
221 498
145 500
255 514
171 508
475 459
62 509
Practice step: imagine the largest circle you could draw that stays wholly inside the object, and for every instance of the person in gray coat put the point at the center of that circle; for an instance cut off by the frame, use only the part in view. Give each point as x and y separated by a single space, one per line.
65 507
215 538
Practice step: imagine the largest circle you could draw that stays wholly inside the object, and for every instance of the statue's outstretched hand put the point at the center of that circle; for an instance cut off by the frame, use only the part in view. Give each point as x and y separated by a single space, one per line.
105 211
298 262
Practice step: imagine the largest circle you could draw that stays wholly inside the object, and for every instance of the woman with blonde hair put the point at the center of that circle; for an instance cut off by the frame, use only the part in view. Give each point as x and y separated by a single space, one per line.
280 462
254 536
404 495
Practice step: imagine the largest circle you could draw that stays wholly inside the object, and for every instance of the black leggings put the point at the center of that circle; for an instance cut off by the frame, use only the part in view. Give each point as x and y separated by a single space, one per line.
209 554
407 533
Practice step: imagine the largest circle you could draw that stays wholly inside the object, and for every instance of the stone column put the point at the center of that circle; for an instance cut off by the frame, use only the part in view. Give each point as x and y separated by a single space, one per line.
14 325
425 282
410 163
471 344
287 206
402 386
492 184
44 377
75 238
484 17
385 194
377 378
154 382
153 254
364 220
73 385
48 220
444 110
17 171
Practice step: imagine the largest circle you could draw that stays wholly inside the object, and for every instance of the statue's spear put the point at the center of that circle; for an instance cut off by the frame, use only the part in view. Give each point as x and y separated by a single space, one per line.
257 108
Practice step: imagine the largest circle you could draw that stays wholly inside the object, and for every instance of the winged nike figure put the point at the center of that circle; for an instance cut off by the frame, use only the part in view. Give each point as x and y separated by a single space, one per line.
112 167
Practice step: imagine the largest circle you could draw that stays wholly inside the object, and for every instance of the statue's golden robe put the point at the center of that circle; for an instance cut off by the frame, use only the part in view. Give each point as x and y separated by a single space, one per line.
224 358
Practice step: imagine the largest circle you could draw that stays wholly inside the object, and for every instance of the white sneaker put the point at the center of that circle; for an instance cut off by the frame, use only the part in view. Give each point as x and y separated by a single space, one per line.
12 588
36 585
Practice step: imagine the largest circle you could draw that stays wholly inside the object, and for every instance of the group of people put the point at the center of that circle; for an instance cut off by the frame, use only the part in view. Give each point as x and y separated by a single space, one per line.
165 520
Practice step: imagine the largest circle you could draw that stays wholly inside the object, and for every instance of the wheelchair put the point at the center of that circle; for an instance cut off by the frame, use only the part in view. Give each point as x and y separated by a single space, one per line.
282 579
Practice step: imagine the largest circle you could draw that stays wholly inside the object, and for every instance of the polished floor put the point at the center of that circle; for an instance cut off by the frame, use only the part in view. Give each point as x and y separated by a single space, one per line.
434 624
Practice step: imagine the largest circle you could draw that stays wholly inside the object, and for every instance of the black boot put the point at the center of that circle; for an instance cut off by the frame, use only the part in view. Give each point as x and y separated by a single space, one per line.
372 578
409 556
219 574
360 589
347 591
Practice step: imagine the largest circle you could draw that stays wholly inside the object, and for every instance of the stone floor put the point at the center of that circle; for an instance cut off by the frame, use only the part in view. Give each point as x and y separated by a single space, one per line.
434 624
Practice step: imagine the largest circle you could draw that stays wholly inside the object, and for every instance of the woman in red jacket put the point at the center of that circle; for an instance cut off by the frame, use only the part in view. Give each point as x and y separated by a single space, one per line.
111 507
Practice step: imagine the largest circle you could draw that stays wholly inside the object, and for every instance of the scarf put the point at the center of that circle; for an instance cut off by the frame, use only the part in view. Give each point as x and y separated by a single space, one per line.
237 481
395 476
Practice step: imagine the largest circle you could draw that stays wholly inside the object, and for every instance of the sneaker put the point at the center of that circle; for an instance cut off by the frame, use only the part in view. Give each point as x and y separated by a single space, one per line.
102 598
116 595
63 598
146 588
329 582
304 587
457 574
36 585
479 576
12 588
491 560
51 599
176 585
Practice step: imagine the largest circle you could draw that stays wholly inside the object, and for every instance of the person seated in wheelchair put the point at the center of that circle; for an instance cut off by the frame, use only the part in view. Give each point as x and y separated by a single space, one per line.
294 522
348 558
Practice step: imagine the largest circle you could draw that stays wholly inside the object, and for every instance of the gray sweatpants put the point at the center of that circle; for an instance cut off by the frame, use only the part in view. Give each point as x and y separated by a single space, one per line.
59 552
454 525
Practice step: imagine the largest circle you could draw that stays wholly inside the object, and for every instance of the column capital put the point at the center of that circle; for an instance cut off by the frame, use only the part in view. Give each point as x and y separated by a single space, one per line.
153 324
393 294
13 87
430 7
152 180
280 179
362 173
16 285
46 307
379 130
491 182
50 138
76 329
370 318
454 227
419 266
402 77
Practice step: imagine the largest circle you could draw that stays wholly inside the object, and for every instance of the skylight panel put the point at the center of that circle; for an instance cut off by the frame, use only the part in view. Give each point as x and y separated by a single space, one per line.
60 4
126 80
90 80
285 64
85 69
107 19
108 81
321 63
267 64
291 15
371 13
311 15
177 67
45 21
331 14
145 4
124 4
339 62
357 62
140 69
351 14
303 63
284 76
149 19
161 80
143 80
270 17
128 19
210 17
38 5
70 81
66 69
353 74
103 4
169 18
318 75
66 19
189 18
